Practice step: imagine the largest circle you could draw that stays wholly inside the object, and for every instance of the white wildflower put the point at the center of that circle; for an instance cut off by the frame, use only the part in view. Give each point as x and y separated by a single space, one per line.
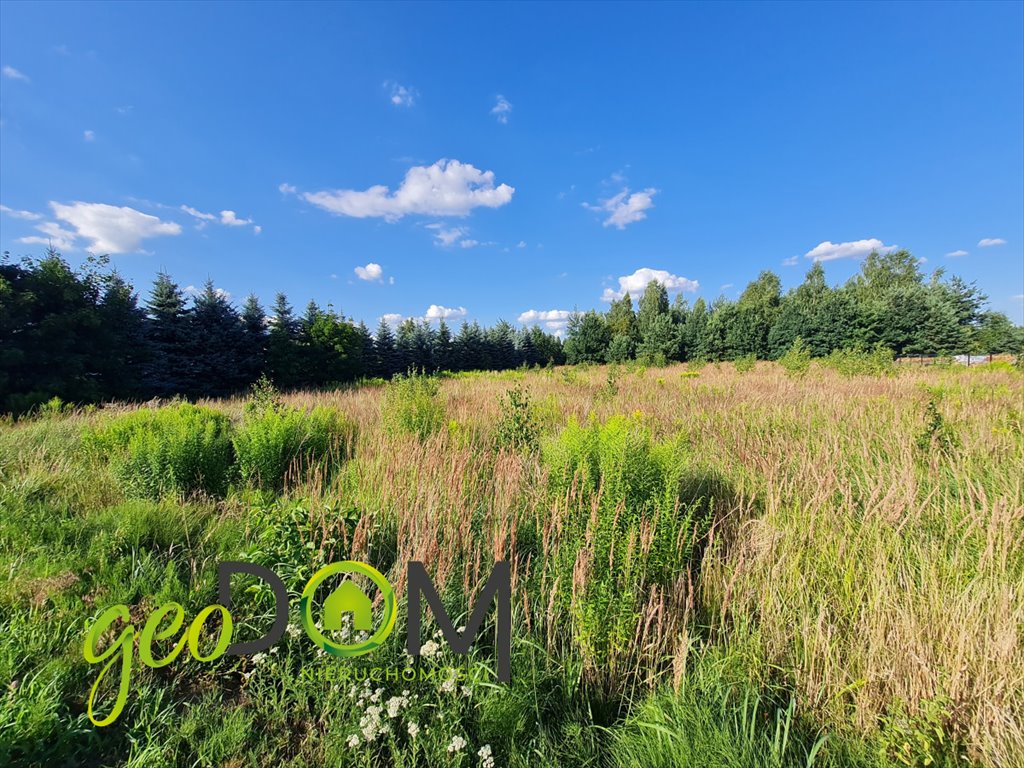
457 745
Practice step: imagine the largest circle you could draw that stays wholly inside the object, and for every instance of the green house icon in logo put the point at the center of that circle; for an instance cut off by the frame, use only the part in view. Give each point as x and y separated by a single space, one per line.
348 598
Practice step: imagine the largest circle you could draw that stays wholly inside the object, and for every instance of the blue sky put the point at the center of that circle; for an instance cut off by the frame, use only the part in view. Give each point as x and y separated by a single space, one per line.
535 157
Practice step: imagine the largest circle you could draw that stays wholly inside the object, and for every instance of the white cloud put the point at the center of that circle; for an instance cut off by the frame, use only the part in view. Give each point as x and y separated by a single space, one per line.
956 254
111 229
401 96
637 282
555 320
502 109
13 74
726 287
792 261
229 218
988 242
198 214
625 208
446 188
56 236
371 271
534 316
392 318
447 235
89 135
27 215
1018 297
856 249
468 243
257 229
521 244
437 312
286 189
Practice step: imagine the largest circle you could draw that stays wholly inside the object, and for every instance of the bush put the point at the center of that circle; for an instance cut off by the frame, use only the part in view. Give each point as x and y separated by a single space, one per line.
641 537
412 405
797 359
276 442
745 363
177 450
517 425
877 361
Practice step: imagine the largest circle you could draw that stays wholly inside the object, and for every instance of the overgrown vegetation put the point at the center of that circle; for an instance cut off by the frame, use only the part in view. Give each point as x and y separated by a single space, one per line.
704 575
413 405
277 442
178 450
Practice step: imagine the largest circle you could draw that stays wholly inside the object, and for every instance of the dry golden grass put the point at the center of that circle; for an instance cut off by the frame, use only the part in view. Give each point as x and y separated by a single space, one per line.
866 569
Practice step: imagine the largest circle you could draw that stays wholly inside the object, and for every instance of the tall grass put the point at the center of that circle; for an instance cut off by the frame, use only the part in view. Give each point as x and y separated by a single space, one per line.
726 569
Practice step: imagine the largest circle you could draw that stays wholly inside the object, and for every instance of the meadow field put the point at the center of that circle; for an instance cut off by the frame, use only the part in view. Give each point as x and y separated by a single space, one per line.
712 565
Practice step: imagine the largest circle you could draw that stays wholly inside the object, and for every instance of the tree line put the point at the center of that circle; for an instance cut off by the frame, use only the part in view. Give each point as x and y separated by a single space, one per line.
889 302
82 334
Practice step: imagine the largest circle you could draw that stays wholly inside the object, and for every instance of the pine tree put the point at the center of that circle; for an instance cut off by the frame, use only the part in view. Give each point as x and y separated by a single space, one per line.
283 345
385 357
217 346
254 324
169 372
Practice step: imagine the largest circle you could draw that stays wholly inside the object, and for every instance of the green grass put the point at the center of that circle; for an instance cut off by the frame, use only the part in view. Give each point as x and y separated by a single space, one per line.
720 572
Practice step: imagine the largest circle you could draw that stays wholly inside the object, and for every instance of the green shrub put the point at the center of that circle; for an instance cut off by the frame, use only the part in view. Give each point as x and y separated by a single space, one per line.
178 450
642 536
276 442
517 425
938 434
413 405
797 359
745 363
877 361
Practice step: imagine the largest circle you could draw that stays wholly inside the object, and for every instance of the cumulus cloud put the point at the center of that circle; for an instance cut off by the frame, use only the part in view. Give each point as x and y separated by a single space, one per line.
502 109
988 242
13 74
26 215
625 207
229 219
401 96
637 282
286 189
855 249
437 312
392 318
446 188
956 254
370 272
109 228
554 320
